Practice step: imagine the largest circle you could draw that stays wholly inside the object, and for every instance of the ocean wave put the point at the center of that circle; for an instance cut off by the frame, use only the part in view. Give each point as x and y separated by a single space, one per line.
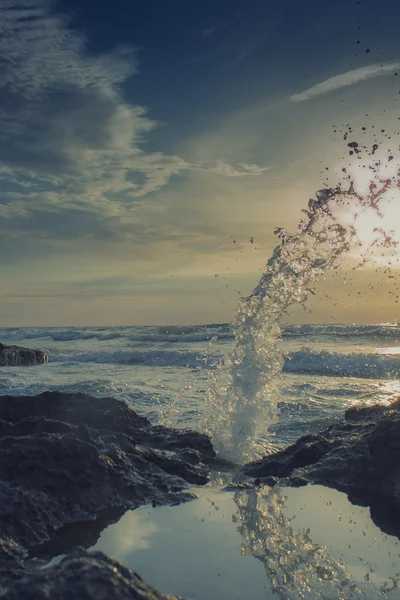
193 334
153 358
17 334
376 332
325 363
138 336
364 366
190 329
198 333
183 338
78 335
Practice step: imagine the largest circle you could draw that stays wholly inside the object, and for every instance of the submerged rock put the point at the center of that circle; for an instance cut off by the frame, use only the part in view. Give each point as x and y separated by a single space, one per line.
66 458
84 576
360 457
15 356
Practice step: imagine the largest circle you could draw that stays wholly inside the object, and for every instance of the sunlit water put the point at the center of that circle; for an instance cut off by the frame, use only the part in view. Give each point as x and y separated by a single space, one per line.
164 372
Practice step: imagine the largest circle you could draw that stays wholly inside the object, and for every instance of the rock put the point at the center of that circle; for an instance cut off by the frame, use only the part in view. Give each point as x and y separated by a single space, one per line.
306 451
14 356
66 458
360 457
84 534
84 576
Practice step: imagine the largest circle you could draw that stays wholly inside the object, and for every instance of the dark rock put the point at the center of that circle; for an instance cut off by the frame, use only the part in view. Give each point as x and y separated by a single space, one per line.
360 457
84 534
84 576
66 458
236 487
359 413
14 356
307 450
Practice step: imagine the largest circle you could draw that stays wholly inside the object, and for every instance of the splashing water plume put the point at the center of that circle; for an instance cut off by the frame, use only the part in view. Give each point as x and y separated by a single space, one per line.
243 396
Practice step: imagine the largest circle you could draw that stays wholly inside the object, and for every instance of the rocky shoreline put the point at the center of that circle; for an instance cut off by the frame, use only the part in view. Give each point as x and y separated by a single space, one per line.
66 458
84 576
360 457
71 458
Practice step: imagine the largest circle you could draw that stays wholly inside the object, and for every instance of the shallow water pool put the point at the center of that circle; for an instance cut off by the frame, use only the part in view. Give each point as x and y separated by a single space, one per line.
251 544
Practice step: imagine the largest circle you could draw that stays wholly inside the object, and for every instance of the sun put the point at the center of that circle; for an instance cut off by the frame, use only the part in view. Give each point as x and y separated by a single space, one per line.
374 209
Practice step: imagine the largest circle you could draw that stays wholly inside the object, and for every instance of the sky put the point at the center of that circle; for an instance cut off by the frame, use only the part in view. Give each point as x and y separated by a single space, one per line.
149 149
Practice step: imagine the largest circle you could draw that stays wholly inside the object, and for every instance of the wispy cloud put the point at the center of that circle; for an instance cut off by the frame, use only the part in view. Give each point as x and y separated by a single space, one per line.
345 79
76 175
64 121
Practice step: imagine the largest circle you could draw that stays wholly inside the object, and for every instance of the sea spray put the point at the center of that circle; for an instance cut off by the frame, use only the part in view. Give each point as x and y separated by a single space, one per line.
242 398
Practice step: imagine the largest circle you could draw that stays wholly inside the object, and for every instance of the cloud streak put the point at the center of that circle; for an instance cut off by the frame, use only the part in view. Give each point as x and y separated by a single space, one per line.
344 80
64 121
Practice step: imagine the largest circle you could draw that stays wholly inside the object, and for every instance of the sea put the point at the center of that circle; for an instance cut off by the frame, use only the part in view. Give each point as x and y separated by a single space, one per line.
261 543
164 372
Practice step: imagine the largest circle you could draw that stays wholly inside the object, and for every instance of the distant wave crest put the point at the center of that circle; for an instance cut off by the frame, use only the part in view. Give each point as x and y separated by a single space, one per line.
307 361
365 366
181 334
153 358
198 333
375 332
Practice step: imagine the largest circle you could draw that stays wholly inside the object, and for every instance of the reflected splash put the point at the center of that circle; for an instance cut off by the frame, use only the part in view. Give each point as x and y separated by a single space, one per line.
295 566
310 543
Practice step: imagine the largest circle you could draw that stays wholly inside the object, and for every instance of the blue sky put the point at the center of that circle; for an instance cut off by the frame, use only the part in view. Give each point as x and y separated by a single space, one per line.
144 144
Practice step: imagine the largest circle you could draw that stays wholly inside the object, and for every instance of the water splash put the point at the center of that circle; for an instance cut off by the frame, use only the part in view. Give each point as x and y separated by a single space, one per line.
242 398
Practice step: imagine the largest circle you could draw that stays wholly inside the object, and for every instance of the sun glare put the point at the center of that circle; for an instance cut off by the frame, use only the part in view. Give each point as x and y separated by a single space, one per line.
375 222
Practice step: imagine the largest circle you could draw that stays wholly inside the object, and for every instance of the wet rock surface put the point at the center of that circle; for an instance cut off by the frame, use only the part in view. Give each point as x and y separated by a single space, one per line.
15 356
84 576
360 457
66 458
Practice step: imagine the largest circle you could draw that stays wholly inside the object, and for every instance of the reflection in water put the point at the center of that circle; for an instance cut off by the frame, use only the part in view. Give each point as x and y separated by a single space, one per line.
295 567
310 542
80 533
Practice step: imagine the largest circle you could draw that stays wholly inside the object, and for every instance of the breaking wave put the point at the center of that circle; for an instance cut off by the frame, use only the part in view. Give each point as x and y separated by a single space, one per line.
363 366
374 332
304 361
199 334
152 358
